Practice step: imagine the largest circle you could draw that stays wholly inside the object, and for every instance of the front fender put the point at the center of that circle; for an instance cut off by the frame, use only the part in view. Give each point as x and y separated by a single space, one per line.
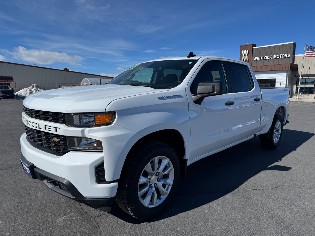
118 165
133 125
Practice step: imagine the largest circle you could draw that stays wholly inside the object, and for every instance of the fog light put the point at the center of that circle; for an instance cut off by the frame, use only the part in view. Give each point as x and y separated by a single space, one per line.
100 174
84 144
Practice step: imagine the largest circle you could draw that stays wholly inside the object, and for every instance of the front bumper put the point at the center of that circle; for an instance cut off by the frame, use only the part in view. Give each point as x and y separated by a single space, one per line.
3 95
75 171
64 186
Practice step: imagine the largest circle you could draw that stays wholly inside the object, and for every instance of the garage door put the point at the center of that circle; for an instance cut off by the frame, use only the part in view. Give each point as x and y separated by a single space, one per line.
279 76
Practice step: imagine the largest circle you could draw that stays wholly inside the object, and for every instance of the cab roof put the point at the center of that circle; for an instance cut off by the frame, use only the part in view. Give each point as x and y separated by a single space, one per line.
201 58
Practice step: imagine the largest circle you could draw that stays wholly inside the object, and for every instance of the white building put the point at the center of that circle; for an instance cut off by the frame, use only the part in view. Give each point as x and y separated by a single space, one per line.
307 71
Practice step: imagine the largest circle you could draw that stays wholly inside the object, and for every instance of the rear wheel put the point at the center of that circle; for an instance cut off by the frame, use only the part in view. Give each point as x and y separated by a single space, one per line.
150 181
273 137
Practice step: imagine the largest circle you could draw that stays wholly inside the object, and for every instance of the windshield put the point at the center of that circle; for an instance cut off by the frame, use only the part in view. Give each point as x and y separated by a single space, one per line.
157 74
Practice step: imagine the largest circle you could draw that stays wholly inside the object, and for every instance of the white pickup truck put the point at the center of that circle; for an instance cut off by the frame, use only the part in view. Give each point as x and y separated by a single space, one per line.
132 139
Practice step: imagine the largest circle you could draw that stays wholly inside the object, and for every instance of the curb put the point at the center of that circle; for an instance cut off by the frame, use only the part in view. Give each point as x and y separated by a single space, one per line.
301 99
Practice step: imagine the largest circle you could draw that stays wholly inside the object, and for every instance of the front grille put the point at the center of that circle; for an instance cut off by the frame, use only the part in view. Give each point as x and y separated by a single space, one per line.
55 117
52 143
7 92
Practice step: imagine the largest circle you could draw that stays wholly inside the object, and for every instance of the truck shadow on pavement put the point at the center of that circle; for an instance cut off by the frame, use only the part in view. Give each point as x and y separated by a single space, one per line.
214 177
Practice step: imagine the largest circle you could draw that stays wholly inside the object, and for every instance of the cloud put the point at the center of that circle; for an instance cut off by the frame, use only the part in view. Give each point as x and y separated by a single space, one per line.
2 58
208 52
165 48
4 17
89 5
108 74
44 57
147 29
121 68
149 51
112 50
91 10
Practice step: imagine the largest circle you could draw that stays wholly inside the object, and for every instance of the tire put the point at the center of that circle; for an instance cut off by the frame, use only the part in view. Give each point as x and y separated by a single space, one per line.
149 181
272 138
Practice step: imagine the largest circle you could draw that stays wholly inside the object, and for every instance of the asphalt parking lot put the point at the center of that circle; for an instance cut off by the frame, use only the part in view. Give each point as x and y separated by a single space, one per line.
245 190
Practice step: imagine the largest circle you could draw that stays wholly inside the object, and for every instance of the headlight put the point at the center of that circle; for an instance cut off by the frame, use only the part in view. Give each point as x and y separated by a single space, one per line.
90 119
84 144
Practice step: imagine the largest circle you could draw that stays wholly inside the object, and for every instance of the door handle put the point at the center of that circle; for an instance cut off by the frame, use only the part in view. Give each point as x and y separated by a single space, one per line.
257 99
229 103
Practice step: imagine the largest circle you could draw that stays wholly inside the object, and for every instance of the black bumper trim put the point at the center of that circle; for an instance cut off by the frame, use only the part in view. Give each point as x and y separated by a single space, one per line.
66 188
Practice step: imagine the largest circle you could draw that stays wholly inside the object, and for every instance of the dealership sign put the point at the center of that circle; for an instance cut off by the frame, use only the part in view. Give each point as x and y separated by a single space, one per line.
276 56
245 55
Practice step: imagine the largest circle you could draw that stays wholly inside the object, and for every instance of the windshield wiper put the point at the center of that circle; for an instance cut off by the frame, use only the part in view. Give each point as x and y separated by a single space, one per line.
136 83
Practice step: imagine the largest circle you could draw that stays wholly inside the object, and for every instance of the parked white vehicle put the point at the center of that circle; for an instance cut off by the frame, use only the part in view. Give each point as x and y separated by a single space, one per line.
95 81
132 139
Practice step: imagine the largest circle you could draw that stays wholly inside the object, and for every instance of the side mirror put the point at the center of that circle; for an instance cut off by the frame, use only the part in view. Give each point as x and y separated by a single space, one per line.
206 90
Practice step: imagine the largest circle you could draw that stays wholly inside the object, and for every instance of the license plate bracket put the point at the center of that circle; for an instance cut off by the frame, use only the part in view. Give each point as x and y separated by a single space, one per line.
28 169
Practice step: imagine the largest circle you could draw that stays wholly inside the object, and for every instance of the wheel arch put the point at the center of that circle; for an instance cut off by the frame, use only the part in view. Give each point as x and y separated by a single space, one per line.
281 111
169 136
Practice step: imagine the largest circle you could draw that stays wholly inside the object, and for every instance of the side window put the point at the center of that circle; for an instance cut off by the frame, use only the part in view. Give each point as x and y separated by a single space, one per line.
211 72
238 77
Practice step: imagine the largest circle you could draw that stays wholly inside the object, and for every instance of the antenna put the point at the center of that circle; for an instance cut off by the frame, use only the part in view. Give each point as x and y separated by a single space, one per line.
191 54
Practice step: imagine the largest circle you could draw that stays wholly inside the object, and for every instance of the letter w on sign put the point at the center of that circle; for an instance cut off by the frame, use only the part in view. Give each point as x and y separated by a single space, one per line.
245 55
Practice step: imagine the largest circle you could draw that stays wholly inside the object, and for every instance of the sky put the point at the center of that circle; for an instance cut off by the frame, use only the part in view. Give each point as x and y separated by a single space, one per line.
108 36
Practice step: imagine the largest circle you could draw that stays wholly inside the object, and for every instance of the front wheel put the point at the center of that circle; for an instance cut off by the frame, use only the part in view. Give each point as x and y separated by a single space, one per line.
150 181
273 137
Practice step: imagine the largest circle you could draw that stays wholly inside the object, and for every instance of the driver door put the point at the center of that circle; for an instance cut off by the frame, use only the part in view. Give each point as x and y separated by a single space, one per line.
212 120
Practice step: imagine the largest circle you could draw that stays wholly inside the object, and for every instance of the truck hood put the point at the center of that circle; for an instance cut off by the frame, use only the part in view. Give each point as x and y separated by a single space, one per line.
83 99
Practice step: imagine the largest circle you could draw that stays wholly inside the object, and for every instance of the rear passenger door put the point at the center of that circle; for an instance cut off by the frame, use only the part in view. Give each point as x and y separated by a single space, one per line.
246 99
